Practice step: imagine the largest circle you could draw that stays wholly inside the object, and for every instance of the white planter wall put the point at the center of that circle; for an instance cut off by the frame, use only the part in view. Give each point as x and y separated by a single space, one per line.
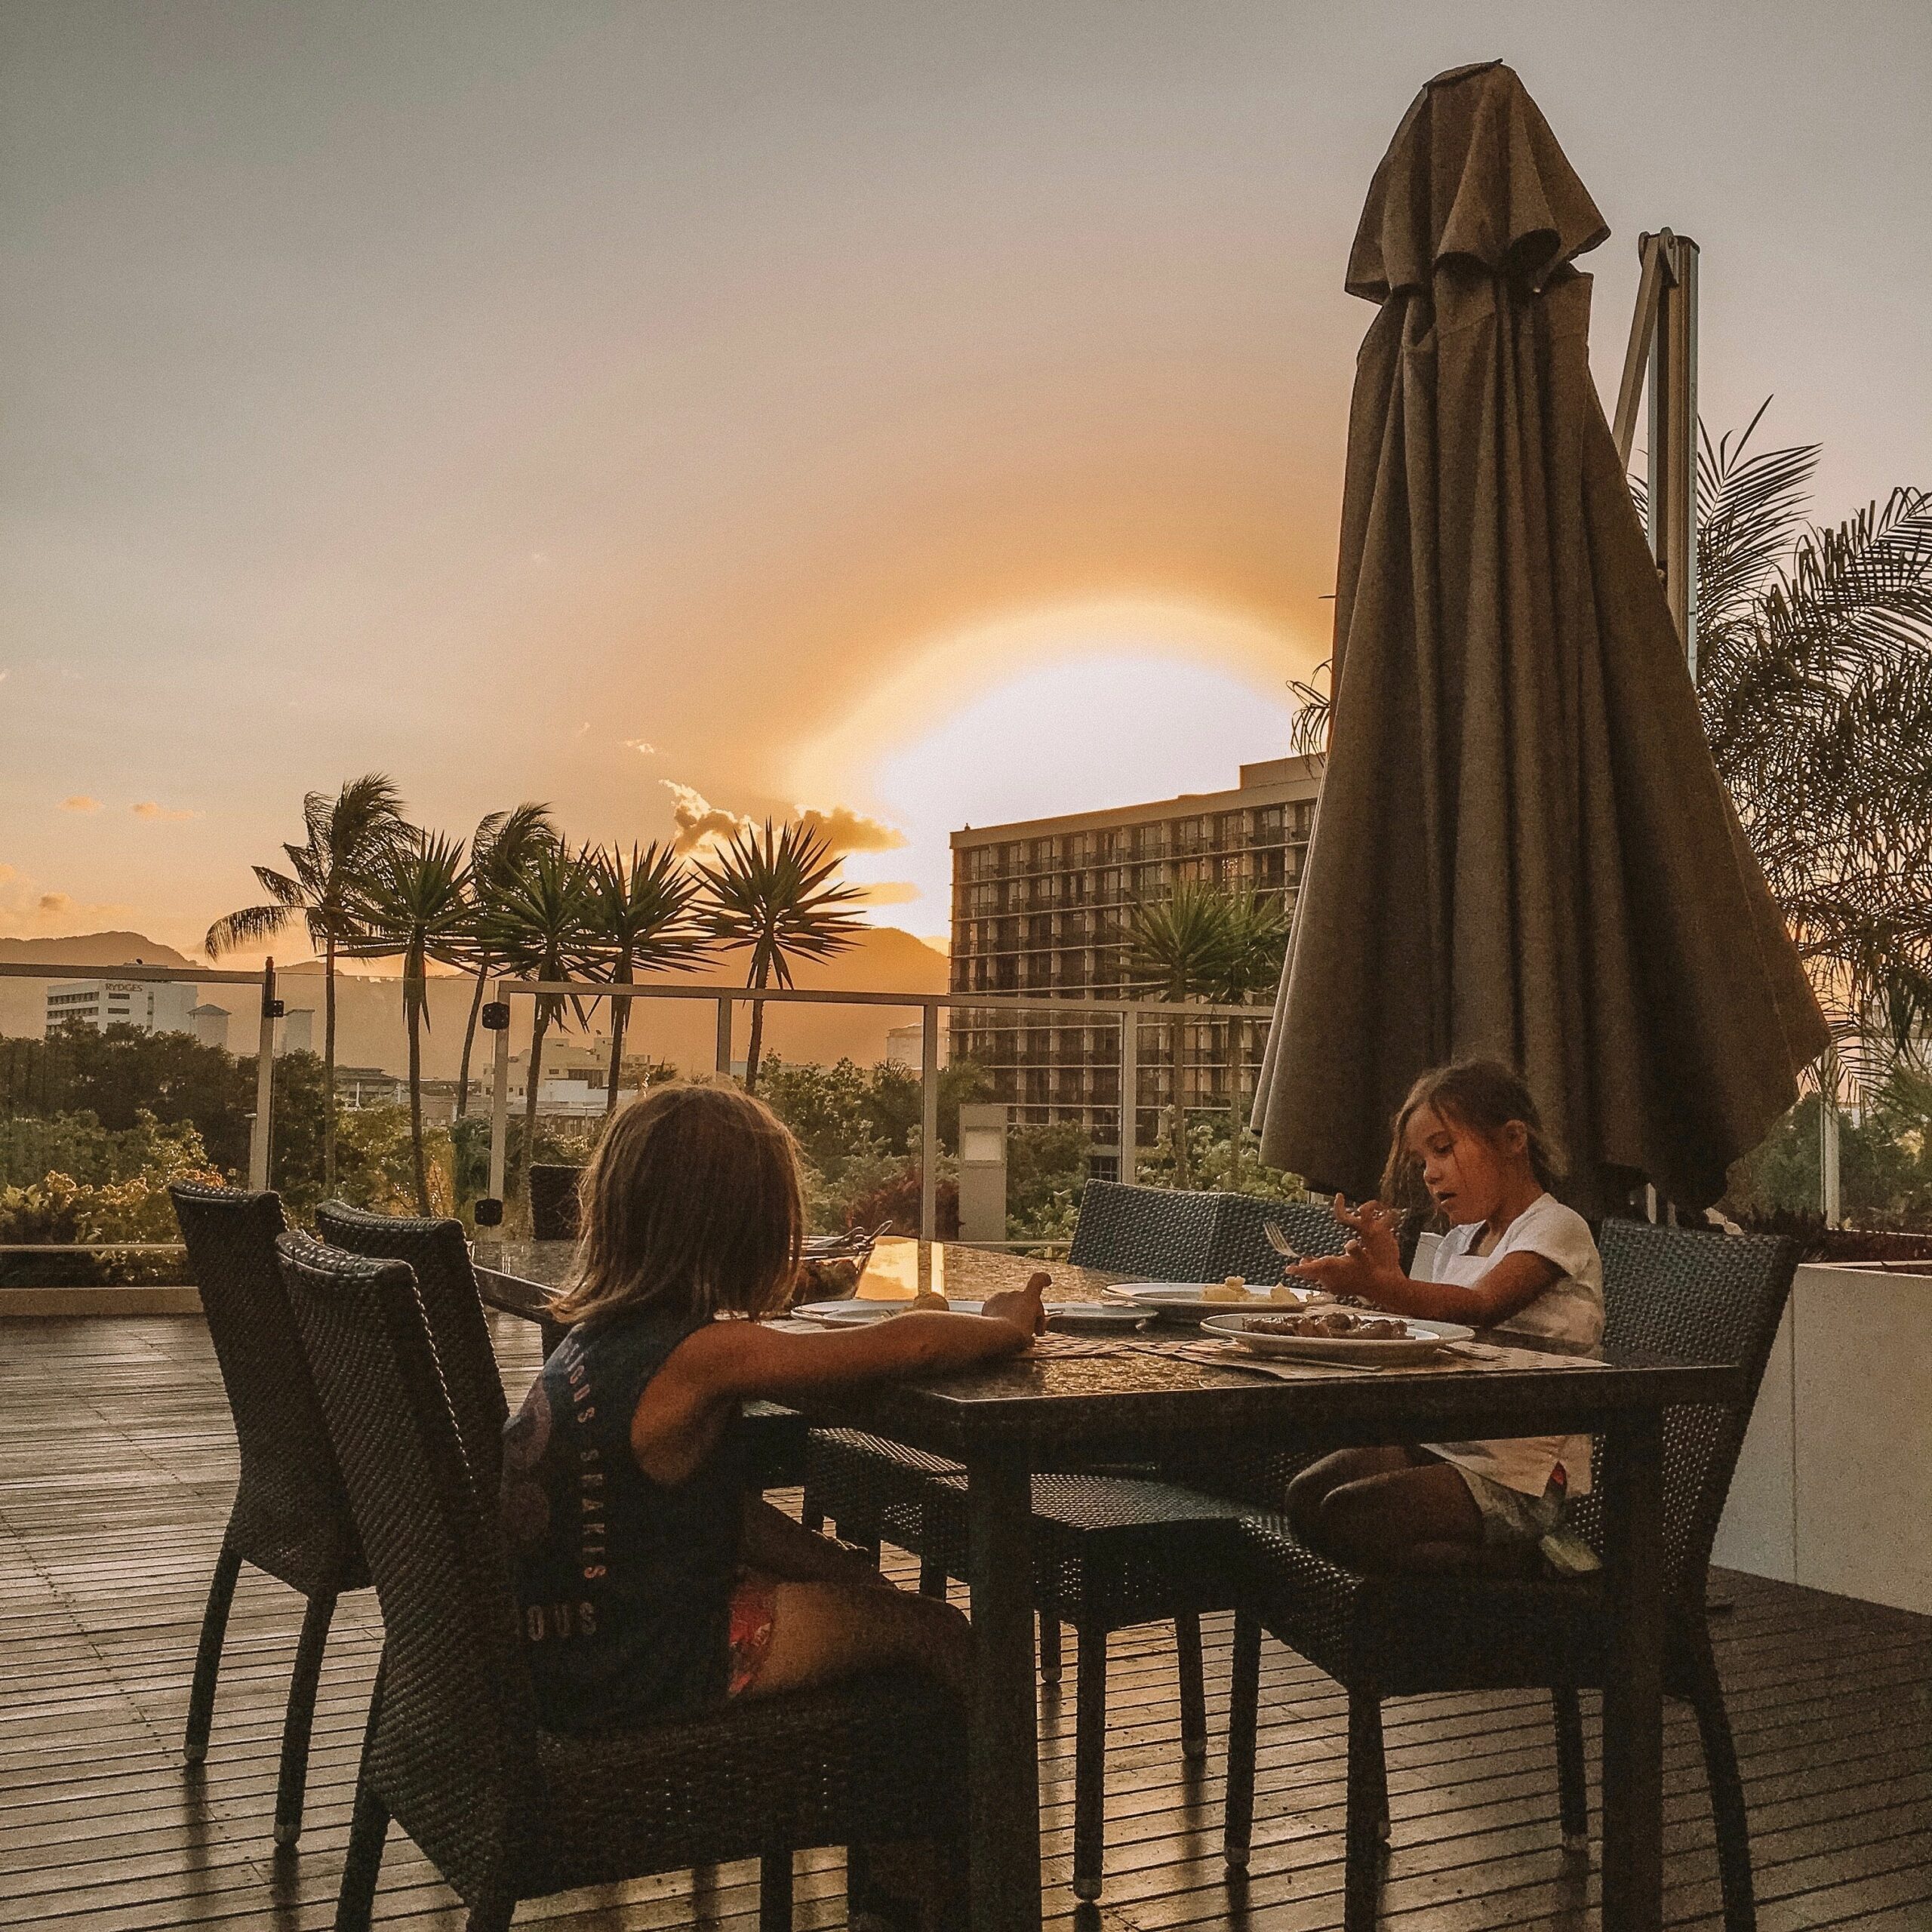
1833 1489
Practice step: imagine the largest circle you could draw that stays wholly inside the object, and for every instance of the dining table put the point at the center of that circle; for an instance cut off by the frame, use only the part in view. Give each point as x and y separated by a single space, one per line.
1047 1410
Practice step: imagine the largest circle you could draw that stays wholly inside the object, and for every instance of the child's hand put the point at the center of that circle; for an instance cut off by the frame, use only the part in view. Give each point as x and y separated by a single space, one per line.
1021 1307
1375 1227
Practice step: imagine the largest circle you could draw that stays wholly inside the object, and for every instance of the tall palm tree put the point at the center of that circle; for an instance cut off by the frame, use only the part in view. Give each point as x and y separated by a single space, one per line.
645 915
1178 948
501 845
1257 943
541 924
777 894
345 838
415 902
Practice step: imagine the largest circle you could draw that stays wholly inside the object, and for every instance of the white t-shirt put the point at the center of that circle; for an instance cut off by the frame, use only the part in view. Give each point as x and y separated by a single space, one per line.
1571 1309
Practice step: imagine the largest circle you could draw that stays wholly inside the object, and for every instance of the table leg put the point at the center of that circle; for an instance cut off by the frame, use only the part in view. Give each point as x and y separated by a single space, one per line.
1003 1775
1633 1694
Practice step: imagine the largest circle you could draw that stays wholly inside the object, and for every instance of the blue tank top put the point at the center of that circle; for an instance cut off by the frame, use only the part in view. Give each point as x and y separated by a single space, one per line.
624 1584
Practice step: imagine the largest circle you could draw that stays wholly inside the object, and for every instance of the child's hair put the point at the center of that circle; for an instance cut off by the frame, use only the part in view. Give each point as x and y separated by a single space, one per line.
1482 1095
692 1200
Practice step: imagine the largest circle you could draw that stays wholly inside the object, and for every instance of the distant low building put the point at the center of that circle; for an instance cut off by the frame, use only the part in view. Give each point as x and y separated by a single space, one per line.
149 1006
298 1031
575 1083
209 1024
906 1046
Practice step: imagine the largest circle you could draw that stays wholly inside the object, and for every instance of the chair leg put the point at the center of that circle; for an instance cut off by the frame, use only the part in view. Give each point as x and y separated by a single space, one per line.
1733 1826
811 1511
301 1716
1572 1787
774 1892
492 1915
932 1578
1090 1762
368 1828
1193 1691
1049 1665
208 1656
1368 1803
1243 1707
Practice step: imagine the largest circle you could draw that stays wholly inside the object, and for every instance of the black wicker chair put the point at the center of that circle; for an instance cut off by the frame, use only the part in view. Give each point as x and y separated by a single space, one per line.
291 1516
553 1204
1695 1295
505 1810
438 1253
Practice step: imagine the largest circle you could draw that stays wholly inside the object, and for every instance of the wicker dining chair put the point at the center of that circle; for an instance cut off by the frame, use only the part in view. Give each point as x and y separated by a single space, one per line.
290 1516
454 1751
437 1252
1697 1297
553 1201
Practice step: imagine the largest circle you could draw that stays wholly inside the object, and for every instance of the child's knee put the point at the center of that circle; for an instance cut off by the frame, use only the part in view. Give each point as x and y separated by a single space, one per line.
1352 1526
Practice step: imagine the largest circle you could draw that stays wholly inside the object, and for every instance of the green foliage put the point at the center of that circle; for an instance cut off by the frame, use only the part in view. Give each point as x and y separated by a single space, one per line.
1215 1163
1884 1163
1046 1173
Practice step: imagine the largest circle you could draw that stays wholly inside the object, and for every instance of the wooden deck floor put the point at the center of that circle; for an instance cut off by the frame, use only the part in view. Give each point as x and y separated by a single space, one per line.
116 1465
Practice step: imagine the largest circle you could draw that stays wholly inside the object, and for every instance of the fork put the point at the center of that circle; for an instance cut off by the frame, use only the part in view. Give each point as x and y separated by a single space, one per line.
1280 1243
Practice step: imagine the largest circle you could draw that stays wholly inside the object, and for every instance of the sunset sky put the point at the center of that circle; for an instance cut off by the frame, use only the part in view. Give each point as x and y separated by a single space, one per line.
931 408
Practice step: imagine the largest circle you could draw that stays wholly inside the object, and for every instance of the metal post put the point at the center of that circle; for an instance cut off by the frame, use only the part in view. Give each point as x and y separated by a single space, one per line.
499 1113
929 1121
260 1137
1129 1095
1830 1189
723 1056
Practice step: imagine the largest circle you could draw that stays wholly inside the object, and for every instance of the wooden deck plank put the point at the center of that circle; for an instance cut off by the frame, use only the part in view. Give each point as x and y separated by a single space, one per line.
111 1508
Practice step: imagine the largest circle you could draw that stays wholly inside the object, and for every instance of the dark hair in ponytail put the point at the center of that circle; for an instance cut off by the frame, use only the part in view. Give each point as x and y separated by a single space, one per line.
1483 1096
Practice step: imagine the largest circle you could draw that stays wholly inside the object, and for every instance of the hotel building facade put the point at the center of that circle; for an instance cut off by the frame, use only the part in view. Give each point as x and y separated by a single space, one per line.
1046 906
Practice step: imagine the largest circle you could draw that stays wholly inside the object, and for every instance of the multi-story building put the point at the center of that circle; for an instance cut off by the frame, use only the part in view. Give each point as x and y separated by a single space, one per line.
151 1006
1045 907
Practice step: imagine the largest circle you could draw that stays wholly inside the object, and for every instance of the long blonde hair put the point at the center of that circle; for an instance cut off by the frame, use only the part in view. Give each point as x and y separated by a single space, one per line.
1482 1095
691 1201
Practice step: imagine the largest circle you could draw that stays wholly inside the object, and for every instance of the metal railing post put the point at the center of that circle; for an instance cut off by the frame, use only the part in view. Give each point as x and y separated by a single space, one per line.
929 1121
260 1139
1129 1095
723 1055
499 1109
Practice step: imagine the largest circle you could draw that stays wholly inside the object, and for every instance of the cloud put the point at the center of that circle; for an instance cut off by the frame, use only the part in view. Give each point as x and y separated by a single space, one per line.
699 822
845 830
890 892
642 746
147 808
55 902
80 802
26 909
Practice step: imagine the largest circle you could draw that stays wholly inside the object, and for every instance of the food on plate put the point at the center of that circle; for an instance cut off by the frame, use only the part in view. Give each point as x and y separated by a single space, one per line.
1288 1292
929 1298
1234 1288
1334 1324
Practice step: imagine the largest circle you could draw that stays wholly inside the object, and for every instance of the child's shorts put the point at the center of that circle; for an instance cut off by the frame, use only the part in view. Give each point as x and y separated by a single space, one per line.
1510 1518
754 1601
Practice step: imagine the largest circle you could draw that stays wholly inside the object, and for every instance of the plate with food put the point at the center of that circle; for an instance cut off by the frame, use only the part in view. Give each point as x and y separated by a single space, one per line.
1096 1317
1336 1334
1188 1301
858 1314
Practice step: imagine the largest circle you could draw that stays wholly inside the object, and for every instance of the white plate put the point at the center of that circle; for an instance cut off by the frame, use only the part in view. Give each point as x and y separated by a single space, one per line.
1190 1300
857 1314
1423 1340
1095 1317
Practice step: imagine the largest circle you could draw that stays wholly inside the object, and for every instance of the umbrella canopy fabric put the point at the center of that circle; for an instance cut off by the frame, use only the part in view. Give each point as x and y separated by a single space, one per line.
1522 849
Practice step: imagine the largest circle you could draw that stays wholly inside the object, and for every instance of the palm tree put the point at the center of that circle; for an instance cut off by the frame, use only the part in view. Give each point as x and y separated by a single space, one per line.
416 902
1257 943
501 847
345 838
777 894
541 924
1180 948
645 915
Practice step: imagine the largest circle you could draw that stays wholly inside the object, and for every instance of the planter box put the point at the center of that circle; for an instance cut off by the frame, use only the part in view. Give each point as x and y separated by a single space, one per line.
1830 1491
146 1299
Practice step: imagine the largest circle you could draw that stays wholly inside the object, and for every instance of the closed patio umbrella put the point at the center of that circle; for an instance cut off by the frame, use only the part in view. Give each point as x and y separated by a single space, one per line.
1522 847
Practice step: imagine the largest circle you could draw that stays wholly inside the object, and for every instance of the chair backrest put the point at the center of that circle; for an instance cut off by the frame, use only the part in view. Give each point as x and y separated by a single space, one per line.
453 1752
1240 1248
553 1209
293 1518
1704 1298
1161 1234
437 1252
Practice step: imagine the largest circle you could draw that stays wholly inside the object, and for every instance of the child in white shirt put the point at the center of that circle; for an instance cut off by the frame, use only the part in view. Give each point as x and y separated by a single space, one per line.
1514 1254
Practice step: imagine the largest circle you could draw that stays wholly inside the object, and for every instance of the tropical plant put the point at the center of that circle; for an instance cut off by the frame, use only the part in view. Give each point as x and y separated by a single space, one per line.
1180 948
541 924
645 911
1256 945
345 838
501 845
776 895
416 904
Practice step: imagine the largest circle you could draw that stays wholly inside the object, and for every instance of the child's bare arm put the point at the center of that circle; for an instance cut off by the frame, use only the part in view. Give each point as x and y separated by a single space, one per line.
688 1398
1511 1285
